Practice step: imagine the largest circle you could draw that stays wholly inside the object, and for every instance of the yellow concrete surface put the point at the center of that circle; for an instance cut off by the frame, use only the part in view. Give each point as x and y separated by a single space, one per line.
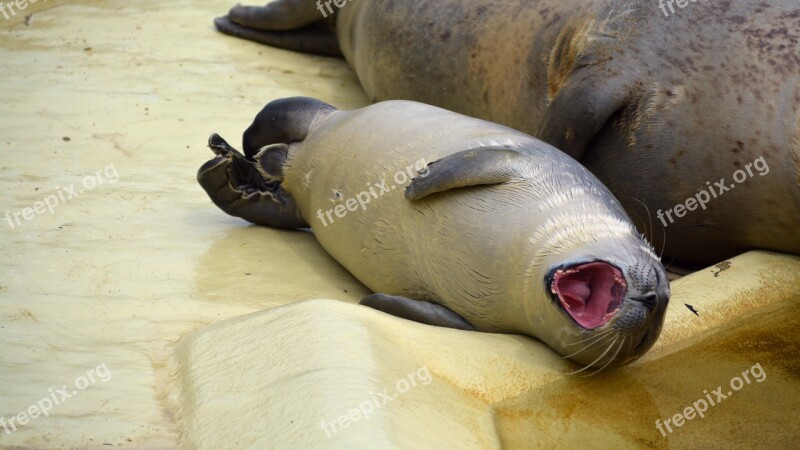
119 272
135 314
310 374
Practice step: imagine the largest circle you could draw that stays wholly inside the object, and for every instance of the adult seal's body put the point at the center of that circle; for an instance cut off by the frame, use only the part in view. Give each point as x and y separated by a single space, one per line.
663 104
500 232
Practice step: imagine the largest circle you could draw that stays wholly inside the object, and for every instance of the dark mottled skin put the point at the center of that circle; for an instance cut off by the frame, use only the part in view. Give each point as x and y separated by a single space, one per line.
655 106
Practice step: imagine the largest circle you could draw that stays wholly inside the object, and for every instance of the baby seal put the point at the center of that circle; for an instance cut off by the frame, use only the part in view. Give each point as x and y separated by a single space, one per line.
452 221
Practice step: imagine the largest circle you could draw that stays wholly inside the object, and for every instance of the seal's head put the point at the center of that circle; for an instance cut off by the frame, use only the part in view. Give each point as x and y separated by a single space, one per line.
606 290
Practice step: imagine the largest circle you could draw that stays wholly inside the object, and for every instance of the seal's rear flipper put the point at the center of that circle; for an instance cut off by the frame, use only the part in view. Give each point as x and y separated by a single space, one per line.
418 311
238 186
250 185
277 15
475 167
298 25
284 121
270 161
315 38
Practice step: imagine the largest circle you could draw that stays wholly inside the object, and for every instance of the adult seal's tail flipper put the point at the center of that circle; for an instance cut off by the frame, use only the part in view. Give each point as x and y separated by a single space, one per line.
249 186
295 25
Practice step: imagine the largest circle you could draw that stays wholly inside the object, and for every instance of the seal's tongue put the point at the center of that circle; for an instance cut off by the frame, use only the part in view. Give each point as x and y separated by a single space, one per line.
591 293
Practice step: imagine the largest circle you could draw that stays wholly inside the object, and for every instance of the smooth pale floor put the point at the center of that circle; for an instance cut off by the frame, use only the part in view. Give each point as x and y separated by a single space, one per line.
135 271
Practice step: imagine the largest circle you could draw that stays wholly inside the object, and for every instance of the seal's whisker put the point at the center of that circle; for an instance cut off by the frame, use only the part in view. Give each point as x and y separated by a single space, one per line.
663 241
595 336
630 346
610 360
653 230
649 224
586 347
649 217
599 357
590 365
599 339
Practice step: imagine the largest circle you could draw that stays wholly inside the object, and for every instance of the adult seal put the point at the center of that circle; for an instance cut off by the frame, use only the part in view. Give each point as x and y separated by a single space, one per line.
452 221
688 112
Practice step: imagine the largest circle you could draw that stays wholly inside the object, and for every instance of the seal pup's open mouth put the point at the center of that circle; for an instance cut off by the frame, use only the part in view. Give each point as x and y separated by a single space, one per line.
590 293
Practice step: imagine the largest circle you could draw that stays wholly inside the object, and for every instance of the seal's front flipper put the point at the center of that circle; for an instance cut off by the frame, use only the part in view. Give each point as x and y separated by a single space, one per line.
418 311
474 167
580 112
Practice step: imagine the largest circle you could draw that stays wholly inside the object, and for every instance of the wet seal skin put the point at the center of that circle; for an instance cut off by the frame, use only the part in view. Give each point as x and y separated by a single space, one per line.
499 232
656 107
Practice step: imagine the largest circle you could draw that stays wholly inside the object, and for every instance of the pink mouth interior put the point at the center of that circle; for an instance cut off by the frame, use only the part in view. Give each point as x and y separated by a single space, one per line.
591 293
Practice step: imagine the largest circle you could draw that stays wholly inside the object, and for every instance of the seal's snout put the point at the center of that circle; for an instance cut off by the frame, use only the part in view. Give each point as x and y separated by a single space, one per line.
590 293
